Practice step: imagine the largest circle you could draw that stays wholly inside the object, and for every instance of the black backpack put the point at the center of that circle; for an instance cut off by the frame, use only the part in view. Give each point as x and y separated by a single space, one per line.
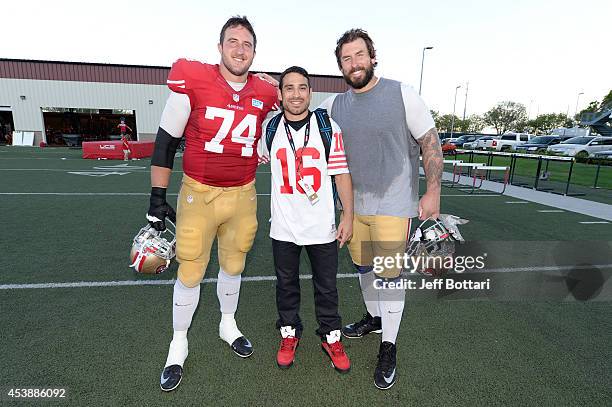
325 129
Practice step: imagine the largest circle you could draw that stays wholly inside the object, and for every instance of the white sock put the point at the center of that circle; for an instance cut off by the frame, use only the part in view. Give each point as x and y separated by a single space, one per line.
178 351
333 336
228 330
228 292
392 308
370 294
287 331
184 303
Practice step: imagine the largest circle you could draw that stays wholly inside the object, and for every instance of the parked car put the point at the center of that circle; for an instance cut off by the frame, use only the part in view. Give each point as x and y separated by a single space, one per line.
540 143
467 138
485 142
606 155
449 148
582 147
509 141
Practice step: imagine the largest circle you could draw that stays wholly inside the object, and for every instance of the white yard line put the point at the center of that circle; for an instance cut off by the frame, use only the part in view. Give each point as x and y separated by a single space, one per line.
90 284
550 211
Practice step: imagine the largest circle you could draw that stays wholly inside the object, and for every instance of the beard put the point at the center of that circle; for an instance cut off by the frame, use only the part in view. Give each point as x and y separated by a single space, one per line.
235 70
358 84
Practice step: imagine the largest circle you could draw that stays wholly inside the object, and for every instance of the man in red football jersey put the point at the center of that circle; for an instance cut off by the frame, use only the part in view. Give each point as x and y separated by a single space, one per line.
125 139
219 109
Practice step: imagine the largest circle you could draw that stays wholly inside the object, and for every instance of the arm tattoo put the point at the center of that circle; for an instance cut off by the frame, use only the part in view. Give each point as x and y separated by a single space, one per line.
433 163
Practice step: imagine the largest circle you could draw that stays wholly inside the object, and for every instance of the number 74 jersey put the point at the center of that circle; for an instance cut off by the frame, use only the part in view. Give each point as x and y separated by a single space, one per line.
224 126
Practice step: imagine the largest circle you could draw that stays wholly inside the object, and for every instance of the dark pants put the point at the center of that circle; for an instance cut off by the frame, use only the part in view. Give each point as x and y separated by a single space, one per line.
324 263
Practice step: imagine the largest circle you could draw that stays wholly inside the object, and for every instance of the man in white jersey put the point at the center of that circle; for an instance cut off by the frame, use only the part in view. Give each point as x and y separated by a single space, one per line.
385 124
304 155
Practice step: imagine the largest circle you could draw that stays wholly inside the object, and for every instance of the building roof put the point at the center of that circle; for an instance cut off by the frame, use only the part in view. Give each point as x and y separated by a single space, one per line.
117 73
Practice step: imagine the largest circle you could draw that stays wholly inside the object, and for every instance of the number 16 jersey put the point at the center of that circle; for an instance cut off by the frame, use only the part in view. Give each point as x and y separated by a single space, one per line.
224 125
294 218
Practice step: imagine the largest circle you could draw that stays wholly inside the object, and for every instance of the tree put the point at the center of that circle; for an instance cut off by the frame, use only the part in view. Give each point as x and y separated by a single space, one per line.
435 115
505 116
477 123
607 100
473 124
444 122
548 121
591 108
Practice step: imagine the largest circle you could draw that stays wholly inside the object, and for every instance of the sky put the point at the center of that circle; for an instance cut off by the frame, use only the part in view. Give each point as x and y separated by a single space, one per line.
539 53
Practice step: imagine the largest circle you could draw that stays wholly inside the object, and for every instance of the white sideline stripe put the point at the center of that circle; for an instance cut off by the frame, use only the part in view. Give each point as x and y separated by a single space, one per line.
516 202
601 222
87 284
550 211
468 195
128 283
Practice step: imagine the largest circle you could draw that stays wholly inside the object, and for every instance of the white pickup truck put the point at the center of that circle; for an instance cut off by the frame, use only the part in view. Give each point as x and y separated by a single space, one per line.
509 141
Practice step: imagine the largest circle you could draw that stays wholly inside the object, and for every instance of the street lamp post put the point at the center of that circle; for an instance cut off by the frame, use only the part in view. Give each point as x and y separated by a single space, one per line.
577 99
467 88
422 62
454 105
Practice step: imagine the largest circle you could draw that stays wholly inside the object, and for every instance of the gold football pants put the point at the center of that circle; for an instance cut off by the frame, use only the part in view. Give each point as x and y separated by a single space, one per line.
378 236
205 212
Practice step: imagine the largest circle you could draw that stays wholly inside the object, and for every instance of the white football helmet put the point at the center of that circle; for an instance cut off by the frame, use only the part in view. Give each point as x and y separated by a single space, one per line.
152 252
433 243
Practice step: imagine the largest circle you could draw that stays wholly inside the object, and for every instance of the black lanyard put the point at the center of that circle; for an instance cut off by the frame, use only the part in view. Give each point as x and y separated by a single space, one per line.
299 161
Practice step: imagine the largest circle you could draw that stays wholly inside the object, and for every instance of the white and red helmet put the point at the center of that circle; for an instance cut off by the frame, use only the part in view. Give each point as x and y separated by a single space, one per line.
152 251
434 242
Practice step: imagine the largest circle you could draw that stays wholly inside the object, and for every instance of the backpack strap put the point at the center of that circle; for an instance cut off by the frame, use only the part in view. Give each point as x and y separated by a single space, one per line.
271 130
325 128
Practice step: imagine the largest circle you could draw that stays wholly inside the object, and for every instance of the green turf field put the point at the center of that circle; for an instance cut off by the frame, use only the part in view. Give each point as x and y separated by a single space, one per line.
107 345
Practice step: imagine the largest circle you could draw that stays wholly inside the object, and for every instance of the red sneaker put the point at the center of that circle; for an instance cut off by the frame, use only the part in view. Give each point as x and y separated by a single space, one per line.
338 356
286 353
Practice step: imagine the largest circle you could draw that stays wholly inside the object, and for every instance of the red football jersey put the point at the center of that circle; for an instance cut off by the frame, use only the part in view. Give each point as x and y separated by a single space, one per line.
224 127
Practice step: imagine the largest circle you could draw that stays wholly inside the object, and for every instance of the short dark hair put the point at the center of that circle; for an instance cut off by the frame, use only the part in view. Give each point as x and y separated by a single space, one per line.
236 21
293 69
352 35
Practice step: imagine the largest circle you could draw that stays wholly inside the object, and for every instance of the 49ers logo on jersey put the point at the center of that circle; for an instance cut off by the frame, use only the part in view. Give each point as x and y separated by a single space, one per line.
247 125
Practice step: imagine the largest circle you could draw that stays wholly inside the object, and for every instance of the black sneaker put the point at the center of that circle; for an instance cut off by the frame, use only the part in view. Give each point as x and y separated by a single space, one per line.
368 324
242 347
171 377
384 374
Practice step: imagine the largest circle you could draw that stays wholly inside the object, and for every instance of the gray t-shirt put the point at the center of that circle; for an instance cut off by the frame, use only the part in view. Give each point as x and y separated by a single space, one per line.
380 128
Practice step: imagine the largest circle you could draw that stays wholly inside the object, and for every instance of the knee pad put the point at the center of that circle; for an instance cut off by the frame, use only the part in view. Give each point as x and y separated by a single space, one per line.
191 274
234 266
